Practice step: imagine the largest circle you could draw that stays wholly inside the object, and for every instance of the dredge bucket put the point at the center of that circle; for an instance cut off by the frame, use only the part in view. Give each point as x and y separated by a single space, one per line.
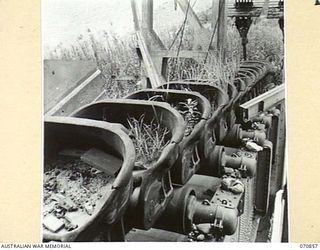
87 177
156 130
196 110
218 100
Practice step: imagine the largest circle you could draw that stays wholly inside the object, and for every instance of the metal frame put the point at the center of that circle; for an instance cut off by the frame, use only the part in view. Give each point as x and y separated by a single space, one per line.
152 49
262 102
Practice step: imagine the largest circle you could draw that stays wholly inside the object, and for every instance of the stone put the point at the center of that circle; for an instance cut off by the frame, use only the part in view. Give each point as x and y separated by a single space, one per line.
68 204
89 208
52 223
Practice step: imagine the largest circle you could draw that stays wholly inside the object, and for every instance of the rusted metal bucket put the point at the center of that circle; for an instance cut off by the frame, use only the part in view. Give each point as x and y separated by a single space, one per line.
71 138
153 188
189 159
215 124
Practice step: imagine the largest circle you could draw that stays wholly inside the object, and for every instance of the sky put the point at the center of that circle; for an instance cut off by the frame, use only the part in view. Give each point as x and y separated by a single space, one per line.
64 20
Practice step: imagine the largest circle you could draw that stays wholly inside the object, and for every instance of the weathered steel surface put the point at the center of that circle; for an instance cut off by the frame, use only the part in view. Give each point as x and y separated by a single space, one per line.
62 131
84 93
263 102
61 77
153 185
188 161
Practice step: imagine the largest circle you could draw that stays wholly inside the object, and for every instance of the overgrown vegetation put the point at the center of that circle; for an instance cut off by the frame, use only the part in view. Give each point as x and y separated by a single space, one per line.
190 113
116 58
149 139
188 109
119 63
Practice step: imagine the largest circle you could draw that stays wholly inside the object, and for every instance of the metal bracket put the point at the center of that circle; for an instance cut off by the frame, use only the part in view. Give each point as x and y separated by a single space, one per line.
262 102
243 25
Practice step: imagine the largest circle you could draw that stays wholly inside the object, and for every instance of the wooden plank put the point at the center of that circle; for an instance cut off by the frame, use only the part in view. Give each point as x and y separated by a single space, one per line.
83 94
147 15
156 39
155 78
72 152
102 161
61 77
215 16
222 28
135 15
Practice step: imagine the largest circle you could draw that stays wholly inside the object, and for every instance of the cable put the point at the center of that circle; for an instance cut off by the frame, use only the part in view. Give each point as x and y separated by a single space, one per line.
213 32
181 26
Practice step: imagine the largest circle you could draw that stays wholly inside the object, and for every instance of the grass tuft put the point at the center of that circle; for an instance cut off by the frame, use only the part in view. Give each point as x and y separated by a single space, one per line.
149 140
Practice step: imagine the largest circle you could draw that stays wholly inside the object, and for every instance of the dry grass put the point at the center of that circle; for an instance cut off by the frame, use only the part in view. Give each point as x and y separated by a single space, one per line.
119 62
116 59
265 43
215 69
149 140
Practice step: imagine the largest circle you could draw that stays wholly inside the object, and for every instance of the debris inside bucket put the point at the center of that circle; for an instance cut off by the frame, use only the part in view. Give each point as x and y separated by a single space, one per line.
149 139
71 192
190 113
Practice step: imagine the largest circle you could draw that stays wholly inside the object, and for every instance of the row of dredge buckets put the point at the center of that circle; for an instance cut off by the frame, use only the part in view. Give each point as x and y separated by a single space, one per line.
207 179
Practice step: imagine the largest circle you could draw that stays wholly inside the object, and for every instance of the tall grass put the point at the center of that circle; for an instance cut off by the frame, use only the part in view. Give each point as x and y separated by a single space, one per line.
119 63
265 43
116 58
149 140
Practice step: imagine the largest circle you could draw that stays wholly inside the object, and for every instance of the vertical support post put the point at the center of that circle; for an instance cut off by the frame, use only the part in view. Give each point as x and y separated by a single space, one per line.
215 18
222 28
243 25
147 20
281 19
264 11
147 15
281 25
135 15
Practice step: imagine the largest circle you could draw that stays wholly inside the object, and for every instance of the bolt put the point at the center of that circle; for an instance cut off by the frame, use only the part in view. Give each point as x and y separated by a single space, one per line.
206 202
